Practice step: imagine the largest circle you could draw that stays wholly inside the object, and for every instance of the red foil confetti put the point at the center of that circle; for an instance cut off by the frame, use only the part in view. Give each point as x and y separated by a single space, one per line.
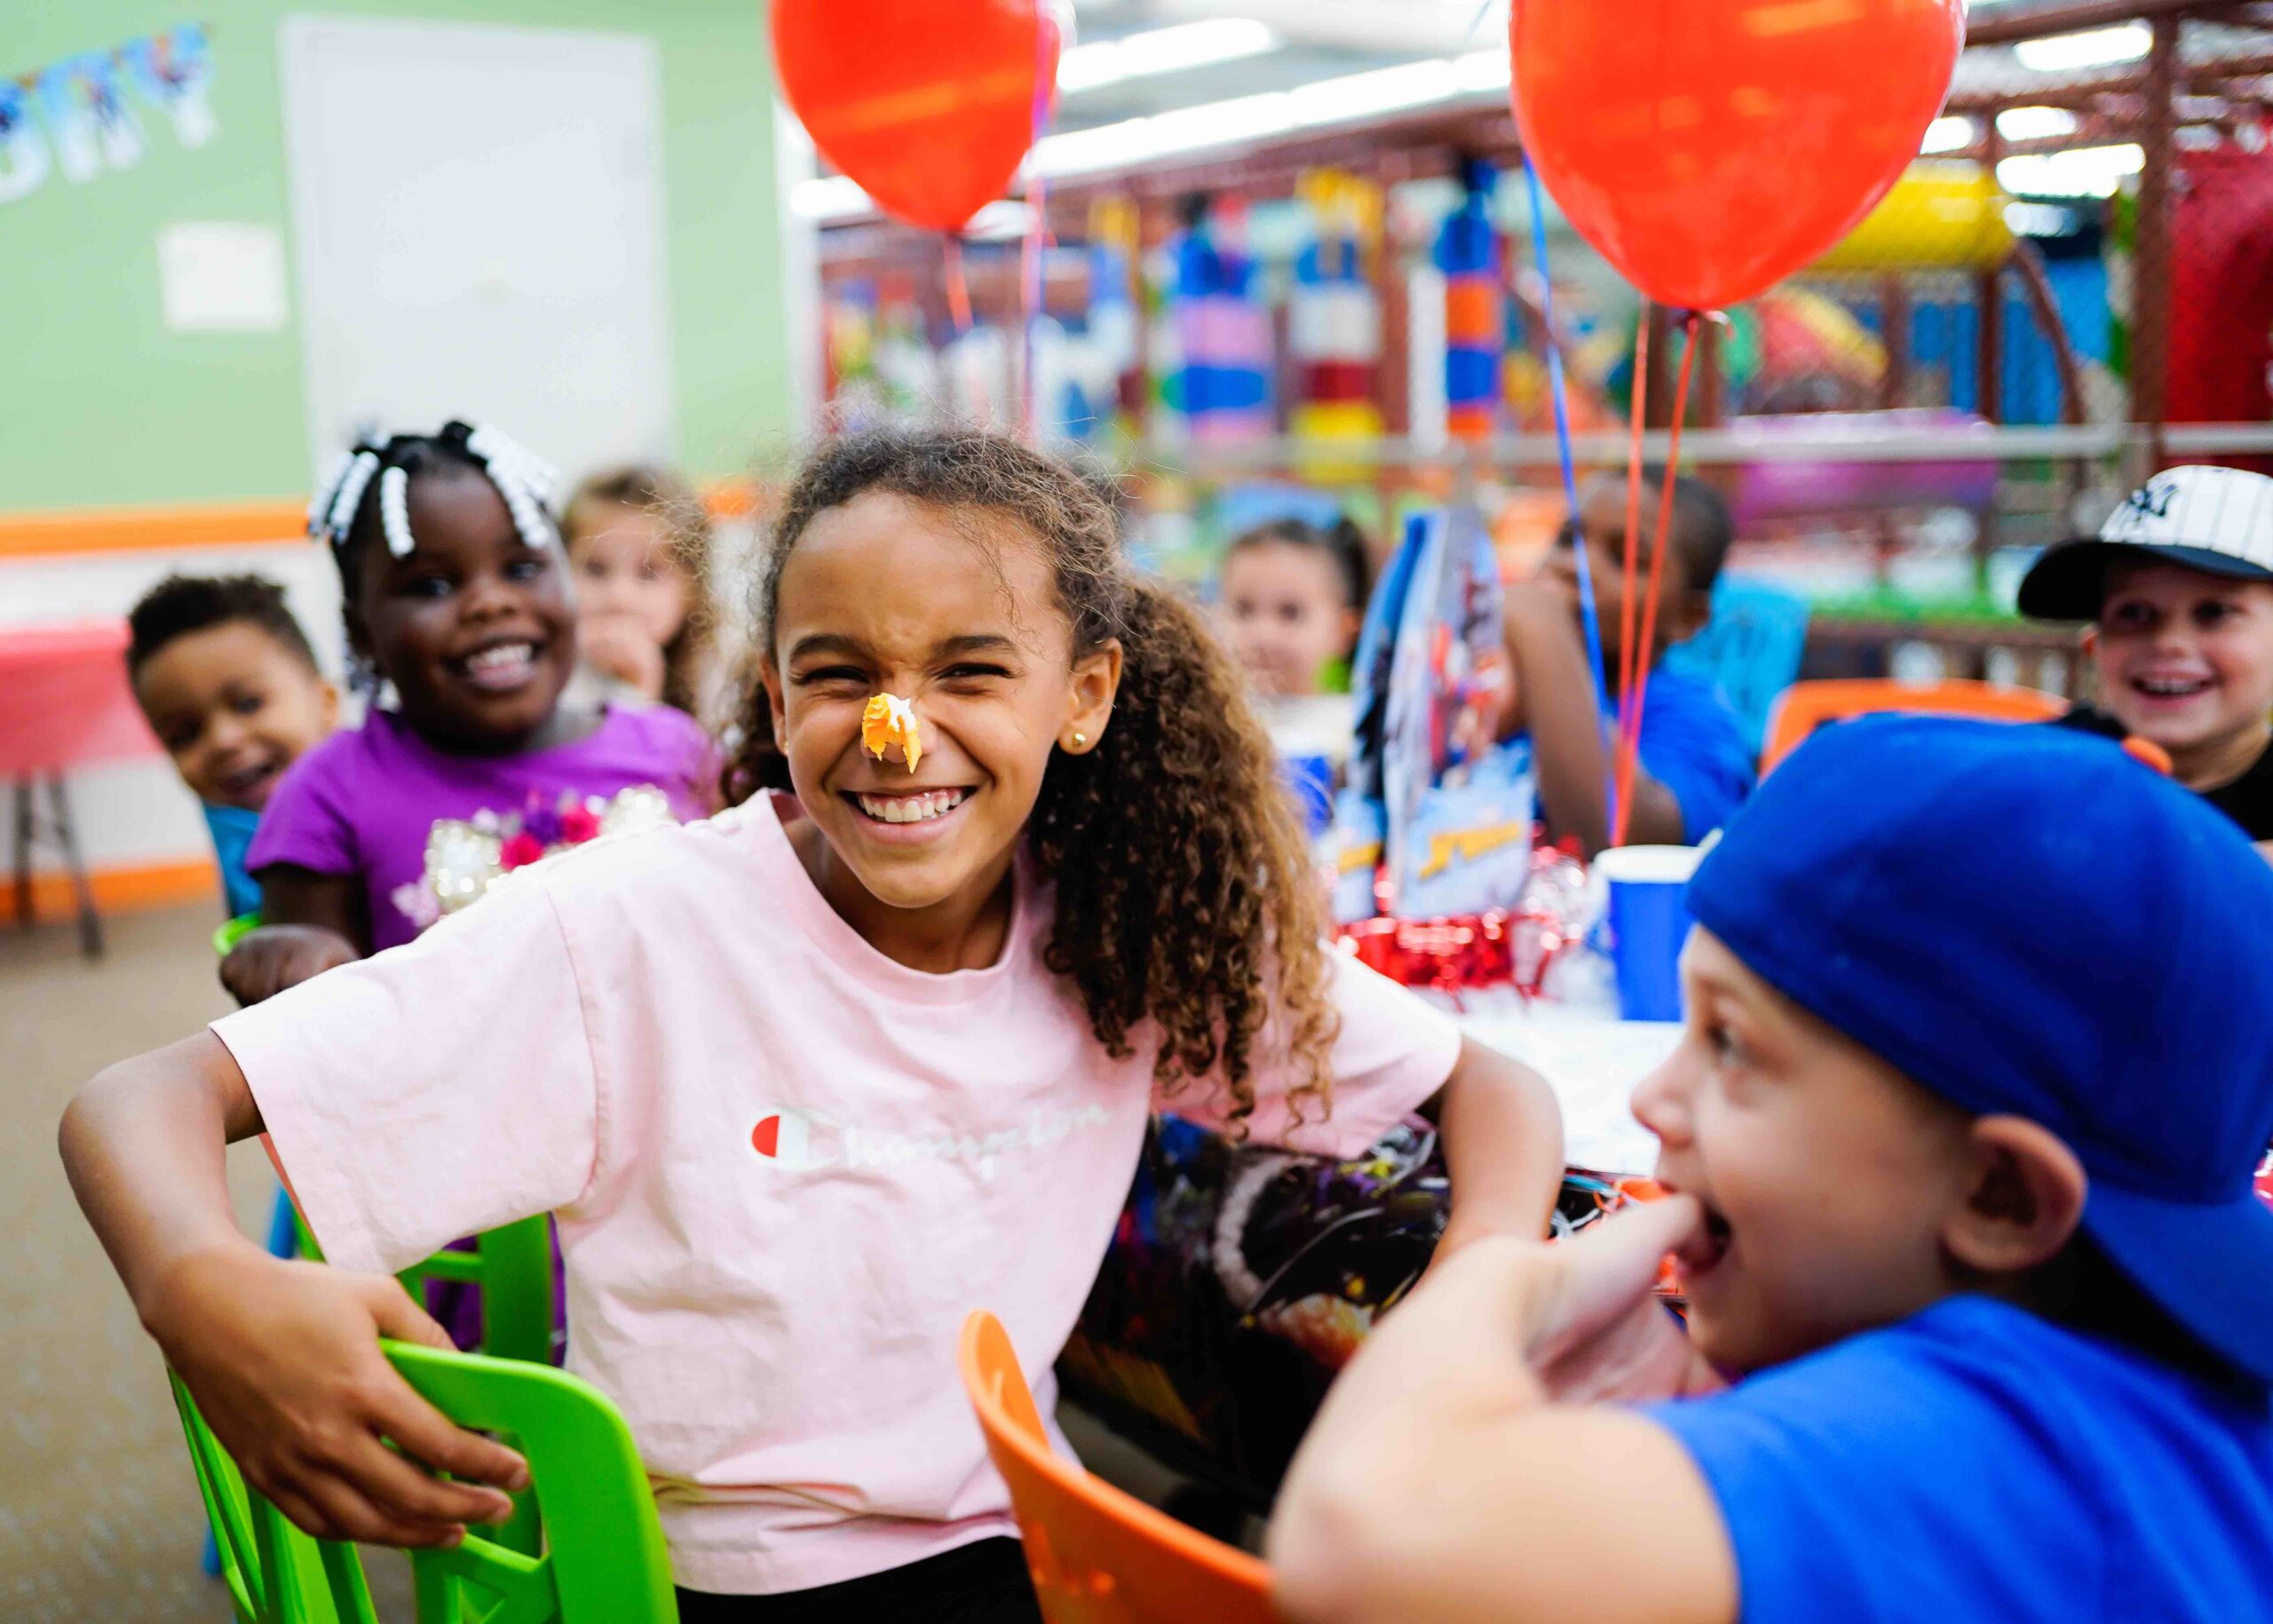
1472 952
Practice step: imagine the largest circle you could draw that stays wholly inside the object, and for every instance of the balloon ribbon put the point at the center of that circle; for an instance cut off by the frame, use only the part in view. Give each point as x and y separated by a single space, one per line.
958 287
1558 392
1633 656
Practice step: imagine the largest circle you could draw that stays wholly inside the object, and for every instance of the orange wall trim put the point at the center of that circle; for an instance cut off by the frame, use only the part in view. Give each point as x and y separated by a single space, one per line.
281 522
153 529
121 890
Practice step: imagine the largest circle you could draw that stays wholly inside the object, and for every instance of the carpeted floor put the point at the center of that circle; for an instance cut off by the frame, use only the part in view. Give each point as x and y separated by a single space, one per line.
99 1519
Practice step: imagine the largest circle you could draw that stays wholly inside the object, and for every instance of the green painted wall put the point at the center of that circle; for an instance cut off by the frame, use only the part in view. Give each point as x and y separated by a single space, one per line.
100 405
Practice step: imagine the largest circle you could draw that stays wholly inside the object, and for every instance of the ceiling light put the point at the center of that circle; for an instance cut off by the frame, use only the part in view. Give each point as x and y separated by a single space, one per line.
998 222
2095 48
2034 123
2083 171
1947 134
831 197
1217 123
1130 142
2039 220
1162 51
1084 152
1385 89
1483 70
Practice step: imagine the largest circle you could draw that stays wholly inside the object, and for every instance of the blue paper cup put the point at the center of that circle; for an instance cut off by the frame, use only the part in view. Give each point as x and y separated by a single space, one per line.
1649 921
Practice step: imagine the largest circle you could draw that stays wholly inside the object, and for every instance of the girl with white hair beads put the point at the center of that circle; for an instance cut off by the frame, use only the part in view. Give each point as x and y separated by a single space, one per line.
459 618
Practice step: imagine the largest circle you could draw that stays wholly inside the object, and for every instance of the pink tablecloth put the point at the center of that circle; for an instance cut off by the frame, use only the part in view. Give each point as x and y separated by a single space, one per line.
64 699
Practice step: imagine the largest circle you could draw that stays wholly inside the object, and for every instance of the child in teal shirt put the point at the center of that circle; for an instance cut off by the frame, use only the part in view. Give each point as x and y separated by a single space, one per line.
229 685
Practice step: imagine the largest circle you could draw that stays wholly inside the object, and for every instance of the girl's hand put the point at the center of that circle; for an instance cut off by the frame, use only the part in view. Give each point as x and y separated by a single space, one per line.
1503 1147
1591 1326
283 1359
273 957
618 646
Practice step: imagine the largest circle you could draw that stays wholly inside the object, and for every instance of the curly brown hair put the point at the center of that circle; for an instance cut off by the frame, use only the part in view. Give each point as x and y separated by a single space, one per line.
1185 895
647 488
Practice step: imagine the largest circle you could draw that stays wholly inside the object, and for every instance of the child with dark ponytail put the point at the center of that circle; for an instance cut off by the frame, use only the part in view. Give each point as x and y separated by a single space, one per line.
1010 865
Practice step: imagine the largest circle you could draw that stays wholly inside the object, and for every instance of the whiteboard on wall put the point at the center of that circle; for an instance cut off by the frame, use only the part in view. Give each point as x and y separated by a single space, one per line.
478 215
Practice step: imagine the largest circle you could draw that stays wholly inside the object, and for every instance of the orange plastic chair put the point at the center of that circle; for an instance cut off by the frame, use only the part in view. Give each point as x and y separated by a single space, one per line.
1807 706
1098 1556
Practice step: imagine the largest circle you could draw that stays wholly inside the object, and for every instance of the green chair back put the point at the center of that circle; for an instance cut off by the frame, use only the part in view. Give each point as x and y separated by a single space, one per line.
275 1574
511 1266
603 1559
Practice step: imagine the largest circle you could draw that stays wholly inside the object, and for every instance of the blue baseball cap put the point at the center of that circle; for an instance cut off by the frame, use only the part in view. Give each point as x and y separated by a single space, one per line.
2027 920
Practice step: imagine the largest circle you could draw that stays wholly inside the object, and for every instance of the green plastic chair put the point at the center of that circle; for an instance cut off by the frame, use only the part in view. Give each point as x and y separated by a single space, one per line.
603 1560
511 1266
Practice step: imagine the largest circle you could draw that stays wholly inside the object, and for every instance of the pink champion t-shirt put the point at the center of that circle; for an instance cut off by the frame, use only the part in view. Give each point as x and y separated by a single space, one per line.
785 1166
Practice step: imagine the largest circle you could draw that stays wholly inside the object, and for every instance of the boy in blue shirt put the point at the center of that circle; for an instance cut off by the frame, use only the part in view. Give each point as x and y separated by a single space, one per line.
1695 767
226 679
1979 1060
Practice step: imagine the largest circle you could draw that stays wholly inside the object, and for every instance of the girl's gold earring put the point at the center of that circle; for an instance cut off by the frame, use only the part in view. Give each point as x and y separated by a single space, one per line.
1081 741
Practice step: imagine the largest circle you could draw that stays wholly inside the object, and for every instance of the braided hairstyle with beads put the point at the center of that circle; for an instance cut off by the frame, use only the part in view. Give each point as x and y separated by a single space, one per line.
1186 908
367 495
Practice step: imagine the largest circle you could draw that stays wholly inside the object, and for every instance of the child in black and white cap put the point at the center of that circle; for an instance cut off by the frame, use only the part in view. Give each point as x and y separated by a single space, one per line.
2178 586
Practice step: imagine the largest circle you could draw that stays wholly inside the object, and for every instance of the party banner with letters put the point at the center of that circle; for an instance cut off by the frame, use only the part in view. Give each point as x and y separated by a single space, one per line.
78 116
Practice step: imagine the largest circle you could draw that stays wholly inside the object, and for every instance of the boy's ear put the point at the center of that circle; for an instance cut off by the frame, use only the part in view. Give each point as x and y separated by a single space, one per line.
1090 696
2022 1194
2089 642
328 702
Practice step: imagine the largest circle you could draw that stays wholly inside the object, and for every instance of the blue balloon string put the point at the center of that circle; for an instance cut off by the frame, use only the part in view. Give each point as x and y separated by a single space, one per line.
1557 392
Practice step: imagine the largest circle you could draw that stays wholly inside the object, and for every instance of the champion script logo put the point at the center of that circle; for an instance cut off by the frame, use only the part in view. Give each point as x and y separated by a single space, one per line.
798 1141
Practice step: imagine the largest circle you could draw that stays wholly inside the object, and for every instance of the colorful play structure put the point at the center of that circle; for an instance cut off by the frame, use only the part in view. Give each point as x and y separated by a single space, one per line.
1355 309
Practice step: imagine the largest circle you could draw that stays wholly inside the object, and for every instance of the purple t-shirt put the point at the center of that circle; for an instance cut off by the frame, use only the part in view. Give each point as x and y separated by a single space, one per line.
364 802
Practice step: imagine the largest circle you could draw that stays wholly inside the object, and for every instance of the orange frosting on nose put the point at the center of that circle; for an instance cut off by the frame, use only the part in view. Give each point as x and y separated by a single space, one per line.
891 720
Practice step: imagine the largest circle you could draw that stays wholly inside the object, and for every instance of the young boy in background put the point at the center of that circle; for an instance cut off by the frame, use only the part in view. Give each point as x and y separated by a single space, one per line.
1695 768
1978 1062
230 686
2179 590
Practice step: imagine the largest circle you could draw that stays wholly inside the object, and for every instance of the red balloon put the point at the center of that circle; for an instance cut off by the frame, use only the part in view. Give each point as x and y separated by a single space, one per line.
929 104
1709 148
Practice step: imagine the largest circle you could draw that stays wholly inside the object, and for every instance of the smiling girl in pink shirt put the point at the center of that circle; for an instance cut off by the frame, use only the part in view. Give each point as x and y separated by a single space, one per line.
806 1082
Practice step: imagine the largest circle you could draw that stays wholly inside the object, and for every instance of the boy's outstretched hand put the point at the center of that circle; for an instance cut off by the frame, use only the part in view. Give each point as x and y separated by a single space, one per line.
283 1359
1458 1471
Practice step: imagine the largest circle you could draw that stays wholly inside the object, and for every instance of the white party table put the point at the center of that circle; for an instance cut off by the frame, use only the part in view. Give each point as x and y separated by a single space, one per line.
1593 1061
